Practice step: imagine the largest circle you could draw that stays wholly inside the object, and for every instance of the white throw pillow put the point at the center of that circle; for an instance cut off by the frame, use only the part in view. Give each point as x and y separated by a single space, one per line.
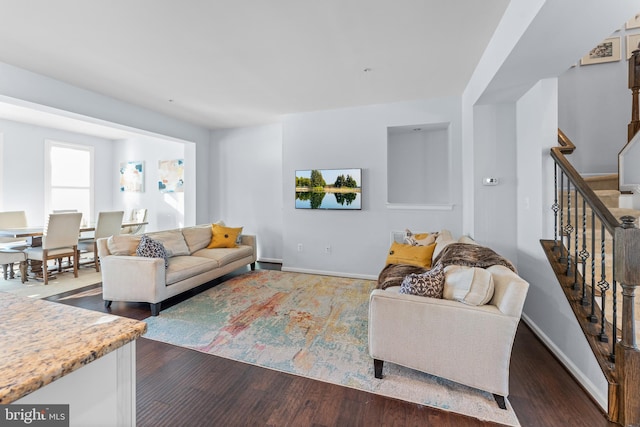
444 238
469 285
467 239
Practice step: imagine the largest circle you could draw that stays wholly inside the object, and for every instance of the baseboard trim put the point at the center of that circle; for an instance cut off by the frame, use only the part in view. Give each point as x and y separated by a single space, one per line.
271 260
330 273
586 383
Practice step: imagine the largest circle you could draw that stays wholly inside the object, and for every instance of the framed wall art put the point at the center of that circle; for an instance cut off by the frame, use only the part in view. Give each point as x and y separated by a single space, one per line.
632 43
607 51
171 176
132 176
633 22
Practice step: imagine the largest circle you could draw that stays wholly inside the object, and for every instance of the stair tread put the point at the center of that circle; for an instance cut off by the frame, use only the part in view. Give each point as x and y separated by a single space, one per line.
605 193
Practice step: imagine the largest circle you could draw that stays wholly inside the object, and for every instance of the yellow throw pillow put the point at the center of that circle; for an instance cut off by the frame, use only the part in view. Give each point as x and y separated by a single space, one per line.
419 256
224 237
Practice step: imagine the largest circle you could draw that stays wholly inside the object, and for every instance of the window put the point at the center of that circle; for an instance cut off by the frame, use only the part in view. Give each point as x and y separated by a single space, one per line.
69 178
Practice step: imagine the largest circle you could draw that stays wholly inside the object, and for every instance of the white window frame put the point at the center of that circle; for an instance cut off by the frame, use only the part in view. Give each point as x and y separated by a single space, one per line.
49 144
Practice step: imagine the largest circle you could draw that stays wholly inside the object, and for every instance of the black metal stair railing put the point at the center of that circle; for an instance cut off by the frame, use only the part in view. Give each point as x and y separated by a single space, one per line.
575 242
595 258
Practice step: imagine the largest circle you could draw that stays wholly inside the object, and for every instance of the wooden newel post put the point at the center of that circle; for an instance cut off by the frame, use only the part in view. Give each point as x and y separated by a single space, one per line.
627 274
634 85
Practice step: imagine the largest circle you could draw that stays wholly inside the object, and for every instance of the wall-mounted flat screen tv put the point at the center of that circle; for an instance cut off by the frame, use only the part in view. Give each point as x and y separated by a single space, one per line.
329 189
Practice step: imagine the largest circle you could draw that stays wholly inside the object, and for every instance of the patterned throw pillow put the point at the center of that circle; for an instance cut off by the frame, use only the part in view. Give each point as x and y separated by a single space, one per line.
428 284
419 239
152 249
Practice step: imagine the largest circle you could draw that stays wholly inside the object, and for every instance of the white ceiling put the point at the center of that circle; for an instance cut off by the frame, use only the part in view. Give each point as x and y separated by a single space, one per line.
244 62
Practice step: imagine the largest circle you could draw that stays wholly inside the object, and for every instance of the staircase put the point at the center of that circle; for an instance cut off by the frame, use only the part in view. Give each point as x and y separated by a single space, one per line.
595 254
606 188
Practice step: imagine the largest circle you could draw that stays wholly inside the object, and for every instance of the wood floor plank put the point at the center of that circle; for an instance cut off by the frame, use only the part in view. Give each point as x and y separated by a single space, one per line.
178 386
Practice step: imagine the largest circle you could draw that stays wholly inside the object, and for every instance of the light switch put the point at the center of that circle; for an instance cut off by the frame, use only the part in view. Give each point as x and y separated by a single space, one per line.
489 181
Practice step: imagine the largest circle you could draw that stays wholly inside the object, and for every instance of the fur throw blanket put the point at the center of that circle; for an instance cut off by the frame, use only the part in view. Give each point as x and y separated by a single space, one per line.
465 254
393 274
470 255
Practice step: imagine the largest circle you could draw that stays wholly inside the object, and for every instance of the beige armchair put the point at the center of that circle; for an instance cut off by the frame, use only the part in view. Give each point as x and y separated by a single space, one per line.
467 344
59 240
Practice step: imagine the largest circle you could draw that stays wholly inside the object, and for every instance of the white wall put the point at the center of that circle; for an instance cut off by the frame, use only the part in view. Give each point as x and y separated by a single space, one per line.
513 75
357 138
22 160
39 89
245 185
164 210
594 110
494 213
546 308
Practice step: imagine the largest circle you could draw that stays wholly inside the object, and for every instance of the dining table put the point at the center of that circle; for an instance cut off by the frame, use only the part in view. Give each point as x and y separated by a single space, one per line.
38 231
33 238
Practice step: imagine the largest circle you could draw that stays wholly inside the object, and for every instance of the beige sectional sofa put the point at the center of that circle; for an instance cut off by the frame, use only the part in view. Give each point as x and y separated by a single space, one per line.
466 335
126 277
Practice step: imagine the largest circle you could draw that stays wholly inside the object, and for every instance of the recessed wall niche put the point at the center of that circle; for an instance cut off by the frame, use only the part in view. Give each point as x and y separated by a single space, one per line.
418 165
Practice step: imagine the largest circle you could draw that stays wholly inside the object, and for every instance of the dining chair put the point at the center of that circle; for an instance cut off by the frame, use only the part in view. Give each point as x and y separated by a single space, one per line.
136 215
10 256
64 211
12 219
11 247
59 240
108 224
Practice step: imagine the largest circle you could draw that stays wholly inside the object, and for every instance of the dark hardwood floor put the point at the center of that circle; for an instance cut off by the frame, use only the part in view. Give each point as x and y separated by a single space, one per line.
182 387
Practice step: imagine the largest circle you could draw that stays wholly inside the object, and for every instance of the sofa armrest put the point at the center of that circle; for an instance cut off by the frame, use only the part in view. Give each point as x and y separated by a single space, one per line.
132 278
250 240
468 344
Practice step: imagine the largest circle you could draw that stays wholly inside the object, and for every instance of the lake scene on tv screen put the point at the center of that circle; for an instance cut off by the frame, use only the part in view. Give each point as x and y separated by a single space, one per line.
329 189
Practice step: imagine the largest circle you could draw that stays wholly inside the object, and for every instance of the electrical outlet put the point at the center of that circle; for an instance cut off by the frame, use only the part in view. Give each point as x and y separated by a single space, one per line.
299 247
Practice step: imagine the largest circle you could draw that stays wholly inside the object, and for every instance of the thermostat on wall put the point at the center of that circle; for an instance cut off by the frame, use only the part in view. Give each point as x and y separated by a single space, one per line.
490 181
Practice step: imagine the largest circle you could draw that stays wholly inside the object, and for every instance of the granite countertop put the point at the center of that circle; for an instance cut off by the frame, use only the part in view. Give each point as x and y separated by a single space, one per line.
41 341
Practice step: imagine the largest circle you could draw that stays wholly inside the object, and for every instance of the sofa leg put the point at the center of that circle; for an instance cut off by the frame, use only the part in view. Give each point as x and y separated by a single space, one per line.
107 304
253 266
377 368
500 400
155 308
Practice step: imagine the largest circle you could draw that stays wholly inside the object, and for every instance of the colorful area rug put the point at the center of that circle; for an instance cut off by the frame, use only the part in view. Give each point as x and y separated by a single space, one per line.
308 325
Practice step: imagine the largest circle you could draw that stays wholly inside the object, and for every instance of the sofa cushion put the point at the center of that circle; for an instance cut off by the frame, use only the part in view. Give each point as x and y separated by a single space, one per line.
470 285
224 237
123 244
151 248
184 267
225 256
428 284
197 237
173 242
419 256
